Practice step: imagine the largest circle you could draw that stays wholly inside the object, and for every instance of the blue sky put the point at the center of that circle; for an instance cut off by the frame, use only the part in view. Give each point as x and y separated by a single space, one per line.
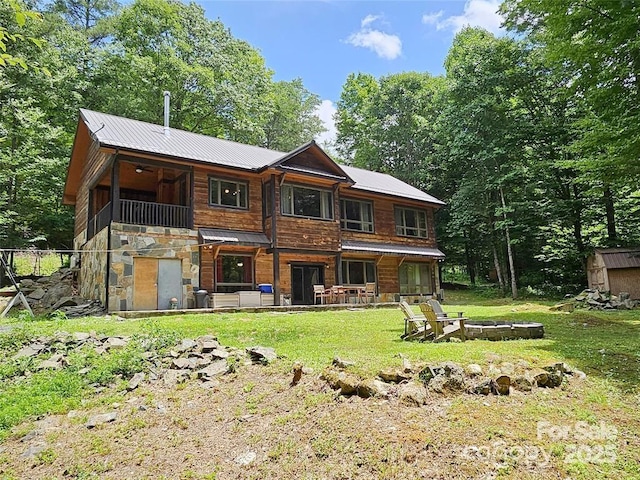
322 42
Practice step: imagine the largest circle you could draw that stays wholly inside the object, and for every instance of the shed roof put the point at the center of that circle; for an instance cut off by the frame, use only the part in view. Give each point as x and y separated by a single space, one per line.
620 257
389 248
125 133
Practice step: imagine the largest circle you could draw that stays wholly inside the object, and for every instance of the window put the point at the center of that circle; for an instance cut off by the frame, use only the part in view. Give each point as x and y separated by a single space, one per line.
233 273
306 202
356 272
226 193
356 215
411 223
415 278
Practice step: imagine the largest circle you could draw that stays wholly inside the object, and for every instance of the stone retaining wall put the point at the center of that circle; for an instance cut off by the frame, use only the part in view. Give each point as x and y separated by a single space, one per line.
130 241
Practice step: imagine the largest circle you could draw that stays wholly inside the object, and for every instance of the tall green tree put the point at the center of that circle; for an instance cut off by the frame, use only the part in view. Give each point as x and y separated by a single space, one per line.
290 118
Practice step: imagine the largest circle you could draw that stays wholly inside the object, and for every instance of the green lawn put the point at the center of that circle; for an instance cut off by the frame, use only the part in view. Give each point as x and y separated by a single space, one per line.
603 344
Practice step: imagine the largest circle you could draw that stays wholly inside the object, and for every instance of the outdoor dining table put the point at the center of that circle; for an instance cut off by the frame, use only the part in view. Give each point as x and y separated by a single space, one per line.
345 292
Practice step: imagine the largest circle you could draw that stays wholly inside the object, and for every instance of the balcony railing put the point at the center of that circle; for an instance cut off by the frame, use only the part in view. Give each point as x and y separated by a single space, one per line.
99 221
159 214
142 213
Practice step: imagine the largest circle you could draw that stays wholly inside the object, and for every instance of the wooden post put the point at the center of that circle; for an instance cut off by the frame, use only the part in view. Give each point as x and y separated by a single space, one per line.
115 191
274 241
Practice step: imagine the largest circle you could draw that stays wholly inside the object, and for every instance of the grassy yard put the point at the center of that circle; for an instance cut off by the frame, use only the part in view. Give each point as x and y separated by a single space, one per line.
602 344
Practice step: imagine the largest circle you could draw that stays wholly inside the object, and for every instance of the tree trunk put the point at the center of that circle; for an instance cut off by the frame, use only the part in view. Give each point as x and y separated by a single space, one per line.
514 287
471 269
496 265
611 220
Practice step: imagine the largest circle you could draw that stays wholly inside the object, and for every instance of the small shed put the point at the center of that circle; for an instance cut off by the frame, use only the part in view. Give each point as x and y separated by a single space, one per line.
615 270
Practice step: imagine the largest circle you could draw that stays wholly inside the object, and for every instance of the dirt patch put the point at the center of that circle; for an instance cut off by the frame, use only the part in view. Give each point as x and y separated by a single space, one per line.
254 424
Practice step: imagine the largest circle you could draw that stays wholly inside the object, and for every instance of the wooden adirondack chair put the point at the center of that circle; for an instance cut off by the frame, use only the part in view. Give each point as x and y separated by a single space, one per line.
441 326
435 304
415 326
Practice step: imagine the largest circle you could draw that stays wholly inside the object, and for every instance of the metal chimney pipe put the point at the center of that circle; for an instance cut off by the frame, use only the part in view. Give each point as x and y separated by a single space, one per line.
167 96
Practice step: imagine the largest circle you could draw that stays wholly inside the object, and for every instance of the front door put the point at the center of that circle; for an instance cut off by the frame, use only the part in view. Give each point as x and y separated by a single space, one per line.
156 282
303 278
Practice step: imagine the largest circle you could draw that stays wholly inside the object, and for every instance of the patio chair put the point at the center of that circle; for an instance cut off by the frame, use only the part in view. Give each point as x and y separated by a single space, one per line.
368 292
337 293
415 326
435 304
319 292
441 331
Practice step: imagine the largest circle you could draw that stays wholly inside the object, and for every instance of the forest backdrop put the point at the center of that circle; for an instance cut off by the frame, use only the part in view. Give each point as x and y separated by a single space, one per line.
532 138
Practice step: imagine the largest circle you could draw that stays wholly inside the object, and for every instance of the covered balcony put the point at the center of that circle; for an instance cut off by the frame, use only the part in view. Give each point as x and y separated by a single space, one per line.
141 192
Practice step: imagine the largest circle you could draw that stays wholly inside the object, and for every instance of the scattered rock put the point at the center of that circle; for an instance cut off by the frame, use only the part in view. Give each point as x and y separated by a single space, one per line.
245 458
34 451
101 419
340 363
115 342
373 388
393 376
413 394
183 363
473 370
29 351
219 367
338 380
262 355
482 387
37 294
522 383
172 377
135 381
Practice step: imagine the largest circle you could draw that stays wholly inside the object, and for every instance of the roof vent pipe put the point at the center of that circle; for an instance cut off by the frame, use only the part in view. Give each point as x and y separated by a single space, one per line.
167 96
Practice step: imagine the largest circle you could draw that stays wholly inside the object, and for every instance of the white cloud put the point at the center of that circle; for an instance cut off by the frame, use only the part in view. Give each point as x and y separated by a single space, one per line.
368 20
432 18
326 110
385 45
477 13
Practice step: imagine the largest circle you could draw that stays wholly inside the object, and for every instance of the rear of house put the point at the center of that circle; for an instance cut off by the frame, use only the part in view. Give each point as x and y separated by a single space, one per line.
163 213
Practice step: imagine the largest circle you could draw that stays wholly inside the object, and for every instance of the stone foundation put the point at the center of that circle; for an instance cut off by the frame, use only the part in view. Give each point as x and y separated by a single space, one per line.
130 241
92 283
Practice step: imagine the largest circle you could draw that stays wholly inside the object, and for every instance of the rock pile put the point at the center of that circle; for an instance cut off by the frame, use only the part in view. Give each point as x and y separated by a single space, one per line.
596 300
203 358
412 388
58 292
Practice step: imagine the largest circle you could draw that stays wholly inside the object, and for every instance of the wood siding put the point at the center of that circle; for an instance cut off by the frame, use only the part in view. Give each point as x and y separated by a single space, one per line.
384 223
625 280
209 216
95 161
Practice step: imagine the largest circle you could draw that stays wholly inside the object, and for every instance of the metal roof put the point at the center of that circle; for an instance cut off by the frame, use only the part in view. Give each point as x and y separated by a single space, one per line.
620 257
382 183
390 248
120 132
253 239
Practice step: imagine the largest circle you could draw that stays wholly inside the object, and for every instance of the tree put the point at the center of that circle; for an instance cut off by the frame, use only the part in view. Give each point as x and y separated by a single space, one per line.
14 17
290 119
387 125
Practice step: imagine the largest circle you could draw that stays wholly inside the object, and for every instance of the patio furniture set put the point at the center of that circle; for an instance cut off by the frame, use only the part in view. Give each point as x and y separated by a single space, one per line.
344 294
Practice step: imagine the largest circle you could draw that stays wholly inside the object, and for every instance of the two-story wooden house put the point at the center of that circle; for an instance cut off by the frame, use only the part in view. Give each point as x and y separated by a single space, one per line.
162 212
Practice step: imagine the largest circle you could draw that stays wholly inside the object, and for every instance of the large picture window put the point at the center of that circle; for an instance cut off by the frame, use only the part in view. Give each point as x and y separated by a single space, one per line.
356 215
226 193
357 272
234 273
415 278
411 222
306 202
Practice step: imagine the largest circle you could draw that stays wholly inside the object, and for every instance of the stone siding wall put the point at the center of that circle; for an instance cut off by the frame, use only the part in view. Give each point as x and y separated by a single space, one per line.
130 241
93 267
